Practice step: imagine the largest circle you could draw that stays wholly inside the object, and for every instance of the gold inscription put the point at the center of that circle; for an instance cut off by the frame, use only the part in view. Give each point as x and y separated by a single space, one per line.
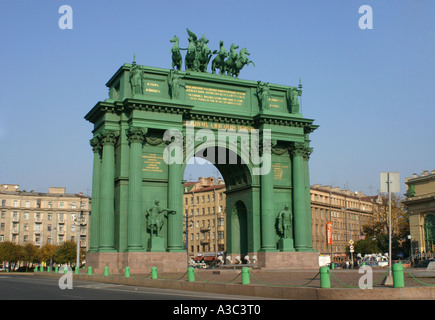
152 87
278 170
213 125
214 95
152 163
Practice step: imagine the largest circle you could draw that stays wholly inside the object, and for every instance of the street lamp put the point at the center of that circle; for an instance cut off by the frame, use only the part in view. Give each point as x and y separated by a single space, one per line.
410 247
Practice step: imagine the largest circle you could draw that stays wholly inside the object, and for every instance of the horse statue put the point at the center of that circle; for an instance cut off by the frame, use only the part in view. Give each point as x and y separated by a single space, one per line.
191 51
241 62
232 58
176 55
219 60
205 55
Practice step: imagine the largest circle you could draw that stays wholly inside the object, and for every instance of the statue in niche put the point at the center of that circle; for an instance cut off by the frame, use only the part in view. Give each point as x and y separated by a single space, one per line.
263 94
155 218
293 95
285 222
175 84
136 76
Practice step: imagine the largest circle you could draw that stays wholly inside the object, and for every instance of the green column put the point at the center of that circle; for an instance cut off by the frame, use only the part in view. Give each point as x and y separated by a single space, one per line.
175 202
299 198
136 137
95 214
107 210
267 216
308 223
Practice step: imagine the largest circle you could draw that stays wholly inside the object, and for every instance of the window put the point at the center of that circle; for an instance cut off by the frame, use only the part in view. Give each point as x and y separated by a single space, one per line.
73 205
26 227
26 215
3 214
3 203
50 205
27 204
61 205
15 203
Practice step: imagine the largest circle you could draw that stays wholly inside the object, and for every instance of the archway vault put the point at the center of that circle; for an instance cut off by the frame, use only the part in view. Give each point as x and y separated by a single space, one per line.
130 172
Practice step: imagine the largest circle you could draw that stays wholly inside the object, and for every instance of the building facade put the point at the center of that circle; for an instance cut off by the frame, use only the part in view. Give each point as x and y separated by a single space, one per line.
338 217
342 213
420 203
204 215
41 218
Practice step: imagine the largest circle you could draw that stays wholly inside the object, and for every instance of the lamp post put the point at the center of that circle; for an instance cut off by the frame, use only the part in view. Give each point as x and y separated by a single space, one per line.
410 248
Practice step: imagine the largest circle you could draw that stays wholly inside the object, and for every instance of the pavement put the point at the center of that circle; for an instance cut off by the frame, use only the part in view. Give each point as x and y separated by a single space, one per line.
419 284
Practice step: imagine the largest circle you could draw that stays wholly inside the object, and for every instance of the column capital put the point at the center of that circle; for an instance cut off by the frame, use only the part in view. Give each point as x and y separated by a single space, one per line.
135 134
109 137
300 149
95 144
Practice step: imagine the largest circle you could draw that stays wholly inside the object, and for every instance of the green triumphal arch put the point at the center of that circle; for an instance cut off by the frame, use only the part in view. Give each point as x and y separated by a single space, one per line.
156 119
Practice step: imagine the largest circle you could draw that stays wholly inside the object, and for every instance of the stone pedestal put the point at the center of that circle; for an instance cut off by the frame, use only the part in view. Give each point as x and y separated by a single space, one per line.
286 244
139 262
288 260
156 244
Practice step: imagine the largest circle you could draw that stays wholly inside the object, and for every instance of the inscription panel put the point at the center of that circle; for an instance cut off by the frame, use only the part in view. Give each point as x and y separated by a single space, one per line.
215 95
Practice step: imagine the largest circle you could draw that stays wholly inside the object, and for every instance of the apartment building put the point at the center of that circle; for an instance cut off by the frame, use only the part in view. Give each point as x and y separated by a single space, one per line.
204 215
420 203
41 218
338 217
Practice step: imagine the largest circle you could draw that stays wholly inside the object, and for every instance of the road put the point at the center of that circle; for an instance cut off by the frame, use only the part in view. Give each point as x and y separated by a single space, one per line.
29 287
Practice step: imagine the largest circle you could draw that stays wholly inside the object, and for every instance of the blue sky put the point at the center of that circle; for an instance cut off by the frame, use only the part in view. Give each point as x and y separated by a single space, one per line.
371 91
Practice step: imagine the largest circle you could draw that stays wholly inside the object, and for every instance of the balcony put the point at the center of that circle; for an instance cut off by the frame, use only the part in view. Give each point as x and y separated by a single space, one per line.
205 241
205 229
14 231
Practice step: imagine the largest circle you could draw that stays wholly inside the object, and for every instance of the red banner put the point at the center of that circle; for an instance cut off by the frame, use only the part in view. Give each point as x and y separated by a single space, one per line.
329 232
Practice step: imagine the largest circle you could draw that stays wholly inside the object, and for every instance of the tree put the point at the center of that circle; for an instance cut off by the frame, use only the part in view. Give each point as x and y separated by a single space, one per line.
46 252
30 254
366 246
66 252
378 229
10 252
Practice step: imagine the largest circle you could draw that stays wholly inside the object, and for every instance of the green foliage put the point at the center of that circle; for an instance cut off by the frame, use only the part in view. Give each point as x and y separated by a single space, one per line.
46 252
30 252
10 251
66 252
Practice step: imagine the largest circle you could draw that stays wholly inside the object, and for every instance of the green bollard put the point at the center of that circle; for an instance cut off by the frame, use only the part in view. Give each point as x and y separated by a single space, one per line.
49 269
325 279
56 269
190 274
398 280
106 271
154 273
332 266
89 271
76 271
245 275
127 272
65 269
36 269
42 269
